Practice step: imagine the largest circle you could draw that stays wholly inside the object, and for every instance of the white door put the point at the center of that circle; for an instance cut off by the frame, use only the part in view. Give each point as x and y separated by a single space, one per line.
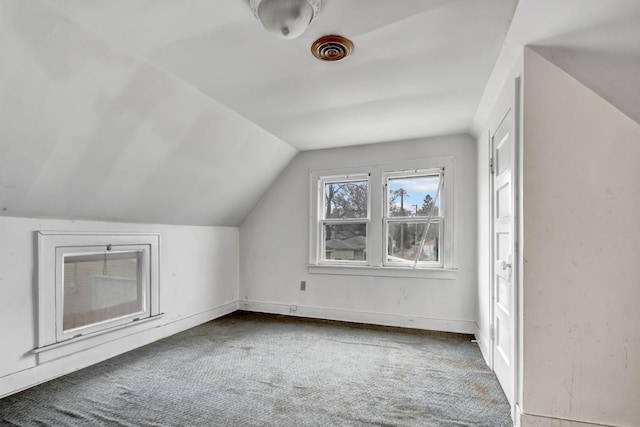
504 291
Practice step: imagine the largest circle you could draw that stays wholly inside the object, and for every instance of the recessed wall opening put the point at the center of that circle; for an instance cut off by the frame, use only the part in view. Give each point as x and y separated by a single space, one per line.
90 284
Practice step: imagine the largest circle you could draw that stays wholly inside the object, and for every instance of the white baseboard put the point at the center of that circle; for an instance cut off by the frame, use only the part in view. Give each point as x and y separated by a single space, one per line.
432 324
485 345
529 420
47 371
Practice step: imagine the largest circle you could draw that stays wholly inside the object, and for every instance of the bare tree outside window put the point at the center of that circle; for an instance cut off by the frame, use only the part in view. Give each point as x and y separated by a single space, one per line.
374 217
345 226
346 199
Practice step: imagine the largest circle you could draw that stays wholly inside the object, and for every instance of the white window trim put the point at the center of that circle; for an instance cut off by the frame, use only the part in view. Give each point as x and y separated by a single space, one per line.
376 244
52 245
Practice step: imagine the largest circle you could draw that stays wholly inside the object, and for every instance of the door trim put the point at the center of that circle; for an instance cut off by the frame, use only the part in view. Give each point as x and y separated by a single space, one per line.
509 99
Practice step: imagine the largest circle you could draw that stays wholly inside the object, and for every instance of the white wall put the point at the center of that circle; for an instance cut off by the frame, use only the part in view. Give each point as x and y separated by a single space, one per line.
274 242
581 246
198 282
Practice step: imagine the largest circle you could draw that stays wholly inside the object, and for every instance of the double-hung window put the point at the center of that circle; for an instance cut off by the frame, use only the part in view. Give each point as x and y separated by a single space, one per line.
384 219
413 218
344 220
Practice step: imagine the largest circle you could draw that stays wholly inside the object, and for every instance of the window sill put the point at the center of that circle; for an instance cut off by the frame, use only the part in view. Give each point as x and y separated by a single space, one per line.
84 342
400 272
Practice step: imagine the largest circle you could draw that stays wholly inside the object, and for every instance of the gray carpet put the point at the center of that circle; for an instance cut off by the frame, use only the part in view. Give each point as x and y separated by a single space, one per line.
250 369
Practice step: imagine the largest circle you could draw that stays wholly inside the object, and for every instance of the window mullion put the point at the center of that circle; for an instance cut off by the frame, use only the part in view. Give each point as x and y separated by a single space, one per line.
375 240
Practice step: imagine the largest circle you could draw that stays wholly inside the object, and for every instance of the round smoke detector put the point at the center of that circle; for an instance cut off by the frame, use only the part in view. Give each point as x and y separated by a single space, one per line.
332 48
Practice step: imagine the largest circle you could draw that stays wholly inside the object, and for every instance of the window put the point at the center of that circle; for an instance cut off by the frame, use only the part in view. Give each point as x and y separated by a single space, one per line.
90 284
345 219
101 287
392 217
413 218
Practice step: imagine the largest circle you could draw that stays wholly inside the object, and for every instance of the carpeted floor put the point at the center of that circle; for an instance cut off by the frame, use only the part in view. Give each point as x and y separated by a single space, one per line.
249 369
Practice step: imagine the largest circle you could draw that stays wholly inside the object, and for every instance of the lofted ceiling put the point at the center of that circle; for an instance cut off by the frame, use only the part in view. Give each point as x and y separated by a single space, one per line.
185 111
419 66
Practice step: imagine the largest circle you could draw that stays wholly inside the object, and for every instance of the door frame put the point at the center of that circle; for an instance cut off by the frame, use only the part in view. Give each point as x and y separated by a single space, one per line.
510 98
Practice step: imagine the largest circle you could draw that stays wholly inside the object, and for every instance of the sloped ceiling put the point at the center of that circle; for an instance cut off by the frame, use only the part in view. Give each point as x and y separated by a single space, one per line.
602 51
90 132
418 68
596 42
184 111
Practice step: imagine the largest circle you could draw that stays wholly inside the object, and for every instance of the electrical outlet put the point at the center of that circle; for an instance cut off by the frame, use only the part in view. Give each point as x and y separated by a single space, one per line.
303 285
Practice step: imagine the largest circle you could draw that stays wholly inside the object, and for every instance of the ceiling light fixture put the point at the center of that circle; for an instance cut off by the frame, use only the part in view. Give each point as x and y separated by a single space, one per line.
286 19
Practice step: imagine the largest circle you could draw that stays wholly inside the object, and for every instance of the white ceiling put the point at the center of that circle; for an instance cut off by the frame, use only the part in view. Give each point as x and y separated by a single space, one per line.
90 132
185 111
597 42
418 69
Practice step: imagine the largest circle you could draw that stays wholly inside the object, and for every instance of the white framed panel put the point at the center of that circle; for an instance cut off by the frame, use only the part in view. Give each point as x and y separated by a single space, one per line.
53 247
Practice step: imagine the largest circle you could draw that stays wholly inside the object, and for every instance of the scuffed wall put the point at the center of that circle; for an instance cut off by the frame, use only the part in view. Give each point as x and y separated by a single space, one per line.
198 282
274 243
581 245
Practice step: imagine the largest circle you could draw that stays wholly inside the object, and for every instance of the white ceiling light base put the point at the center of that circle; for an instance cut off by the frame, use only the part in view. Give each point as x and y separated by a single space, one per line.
286 19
